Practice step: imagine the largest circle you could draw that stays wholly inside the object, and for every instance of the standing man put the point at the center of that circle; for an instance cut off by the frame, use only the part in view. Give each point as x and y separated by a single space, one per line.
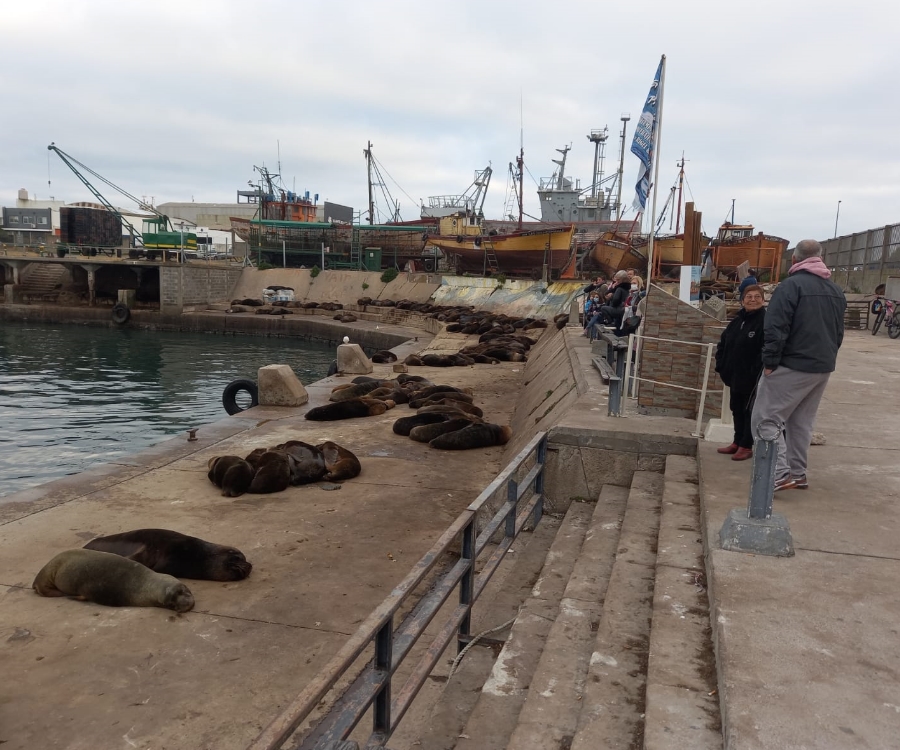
803 331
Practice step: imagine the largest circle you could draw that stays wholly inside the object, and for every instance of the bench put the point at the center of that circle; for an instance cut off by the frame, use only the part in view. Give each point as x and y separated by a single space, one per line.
607 373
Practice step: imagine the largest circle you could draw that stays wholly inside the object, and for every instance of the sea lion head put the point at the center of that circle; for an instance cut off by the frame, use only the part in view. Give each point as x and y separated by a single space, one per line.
178 597
233 564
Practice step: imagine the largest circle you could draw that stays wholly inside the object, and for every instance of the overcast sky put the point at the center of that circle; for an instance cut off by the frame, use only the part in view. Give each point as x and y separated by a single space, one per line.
787 107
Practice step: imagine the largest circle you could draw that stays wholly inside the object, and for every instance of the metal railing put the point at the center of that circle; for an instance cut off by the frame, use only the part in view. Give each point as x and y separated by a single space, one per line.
373 687
632 381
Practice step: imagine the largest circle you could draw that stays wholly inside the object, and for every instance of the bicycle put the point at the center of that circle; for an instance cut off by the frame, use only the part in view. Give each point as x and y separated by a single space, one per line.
886 309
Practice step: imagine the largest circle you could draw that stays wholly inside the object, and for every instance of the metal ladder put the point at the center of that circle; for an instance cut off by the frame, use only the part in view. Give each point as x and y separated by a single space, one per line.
355 250
490 258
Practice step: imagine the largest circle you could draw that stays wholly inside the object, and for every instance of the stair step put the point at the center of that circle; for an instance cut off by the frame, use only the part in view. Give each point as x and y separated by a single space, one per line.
443 714
615 689
495 714
549 716
682 708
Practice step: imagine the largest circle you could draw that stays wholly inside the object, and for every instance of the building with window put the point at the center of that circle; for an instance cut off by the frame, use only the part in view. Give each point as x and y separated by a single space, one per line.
29 227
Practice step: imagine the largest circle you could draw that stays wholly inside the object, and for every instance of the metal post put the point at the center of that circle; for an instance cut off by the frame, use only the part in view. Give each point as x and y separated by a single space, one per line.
512 498
323 256
467 582
637 364
762 479
699 429
283 254
381 711
628 364
539 480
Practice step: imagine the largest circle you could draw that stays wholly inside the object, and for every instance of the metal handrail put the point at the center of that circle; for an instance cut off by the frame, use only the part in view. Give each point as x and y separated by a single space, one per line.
632 380
373 685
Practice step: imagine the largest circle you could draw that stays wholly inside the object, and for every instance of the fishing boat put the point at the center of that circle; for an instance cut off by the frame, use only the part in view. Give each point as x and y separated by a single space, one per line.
736 244
470 248
618 250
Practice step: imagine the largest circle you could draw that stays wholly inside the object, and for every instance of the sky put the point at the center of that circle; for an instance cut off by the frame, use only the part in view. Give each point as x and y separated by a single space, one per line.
785 107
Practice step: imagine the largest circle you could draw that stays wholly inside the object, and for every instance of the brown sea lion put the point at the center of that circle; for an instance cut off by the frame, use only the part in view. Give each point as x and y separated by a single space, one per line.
437 360
307 462
350 409
481 435
232 474
561 320
403 425
397 395
383 357
428 432
440 395
111 580
458 405
431 390
174 554
341 463
273 473
413 361
357 390
483 360
253 457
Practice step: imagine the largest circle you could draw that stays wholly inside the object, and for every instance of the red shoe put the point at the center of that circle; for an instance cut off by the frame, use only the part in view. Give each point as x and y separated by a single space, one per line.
742 454
728 449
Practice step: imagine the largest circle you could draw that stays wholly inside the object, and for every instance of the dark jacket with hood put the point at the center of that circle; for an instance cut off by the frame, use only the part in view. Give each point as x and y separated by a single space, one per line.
805 320
739 353
620 295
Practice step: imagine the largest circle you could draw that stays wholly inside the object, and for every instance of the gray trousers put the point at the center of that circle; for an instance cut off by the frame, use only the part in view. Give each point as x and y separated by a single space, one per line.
785 408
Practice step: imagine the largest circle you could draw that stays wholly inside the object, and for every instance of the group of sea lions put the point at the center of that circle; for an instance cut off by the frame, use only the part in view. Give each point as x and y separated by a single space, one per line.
140 568
290 464
279 307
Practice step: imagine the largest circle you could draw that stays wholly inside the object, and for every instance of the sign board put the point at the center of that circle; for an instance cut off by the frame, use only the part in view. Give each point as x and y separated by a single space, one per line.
689 290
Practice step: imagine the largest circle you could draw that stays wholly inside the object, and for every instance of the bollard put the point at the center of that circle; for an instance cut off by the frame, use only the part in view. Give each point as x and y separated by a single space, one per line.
758 530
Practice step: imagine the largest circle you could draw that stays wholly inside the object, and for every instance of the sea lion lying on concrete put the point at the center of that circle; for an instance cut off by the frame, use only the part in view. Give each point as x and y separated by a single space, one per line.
427 432
273 472
396 394
307 462
354 390
474 435
434 406
345 318
232 474
383 357
419 400
403 425
341 463
174 554
350 409
111 580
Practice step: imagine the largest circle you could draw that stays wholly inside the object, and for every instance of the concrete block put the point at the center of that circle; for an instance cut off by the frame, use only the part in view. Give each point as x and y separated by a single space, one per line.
352 360
718 431
758 536
127 296
400 367
279 386
12 294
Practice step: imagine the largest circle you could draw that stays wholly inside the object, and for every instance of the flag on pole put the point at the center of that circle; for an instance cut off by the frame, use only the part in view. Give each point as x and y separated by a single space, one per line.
644 144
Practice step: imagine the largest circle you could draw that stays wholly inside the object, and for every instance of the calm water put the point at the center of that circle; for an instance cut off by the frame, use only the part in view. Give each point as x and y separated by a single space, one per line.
72 396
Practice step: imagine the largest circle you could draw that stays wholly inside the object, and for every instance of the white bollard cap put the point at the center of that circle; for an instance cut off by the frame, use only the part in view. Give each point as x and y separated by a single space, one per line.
346 339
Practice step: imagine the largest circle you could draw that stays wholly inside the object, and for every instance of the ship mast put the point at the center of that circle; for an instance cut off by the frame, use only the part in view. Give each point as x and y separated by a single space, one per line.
367 152
520 165
625 118
680 165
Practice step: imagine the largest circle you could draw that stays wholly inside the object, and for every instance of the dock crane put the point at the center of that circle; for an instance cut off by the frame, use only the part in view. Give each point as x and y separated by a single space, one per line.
162 236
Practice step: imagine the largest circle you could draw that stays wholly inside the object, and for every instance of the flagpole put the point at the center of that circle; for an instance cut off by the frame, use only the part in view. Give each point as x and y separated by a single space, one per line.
656 152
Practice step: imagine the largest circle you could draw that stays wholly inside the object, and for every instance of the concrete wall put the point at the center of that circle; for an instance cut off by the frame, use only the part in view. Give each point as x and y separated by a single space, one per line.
668 318
181 286
863 260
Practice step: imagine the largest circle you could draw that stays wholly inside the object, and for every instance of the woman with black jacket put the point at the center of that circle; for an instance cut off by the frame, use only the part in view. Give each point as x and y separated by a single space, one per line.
739 364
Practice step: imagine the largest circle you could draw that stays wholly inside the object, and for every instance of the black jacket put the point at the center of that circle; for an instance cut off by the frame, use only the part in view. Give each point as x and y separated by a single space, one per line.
805 324
739 353
619 295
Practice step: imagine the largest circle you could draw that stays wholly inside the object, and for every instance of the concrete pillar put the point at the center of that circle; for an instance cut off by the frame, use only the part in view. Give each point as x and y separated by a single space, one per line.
279 386
92 279
352 360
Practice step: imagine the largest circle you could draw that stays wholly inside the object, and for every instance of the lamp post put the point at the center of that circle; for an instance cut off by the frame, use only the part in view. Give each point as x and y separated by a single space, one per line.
836 217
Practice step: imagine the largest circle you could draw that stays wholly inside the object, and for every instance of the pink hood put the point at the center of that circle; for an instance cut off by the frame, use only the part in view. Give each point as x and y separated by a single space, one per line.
813 265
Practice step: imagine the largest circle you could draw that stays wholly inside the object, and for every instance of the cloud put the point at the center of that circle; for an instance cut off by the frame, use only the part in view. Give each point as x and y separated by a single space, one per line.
784 107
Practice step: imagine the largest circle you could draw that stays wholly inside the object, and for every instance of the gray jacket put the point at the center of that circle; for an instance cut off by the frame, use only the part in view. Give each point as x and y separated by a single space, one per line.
804 324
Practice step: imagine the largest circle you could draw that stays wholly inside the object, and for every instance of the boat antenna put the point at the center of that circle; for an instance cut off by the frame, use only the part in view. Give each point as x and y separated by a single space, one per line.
732 210
520 160
625 118
278 146
680 166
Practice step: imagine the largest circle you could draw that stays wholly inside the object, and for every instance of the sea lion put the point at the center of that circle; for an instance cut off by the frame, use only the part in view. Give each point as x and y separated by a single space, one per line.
437 360
427 432
403 425
397 395
341 463
482 360
273 473
232 474
111 580
413 361
175 554
357 390
458 405
307 462
561 320
383 357
254 456
350 409
474 435
440 395
431 390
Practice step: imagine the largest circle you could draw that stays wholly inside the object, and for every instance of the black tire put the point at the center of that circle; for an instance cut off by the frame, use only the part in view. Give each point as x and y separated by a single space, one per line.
229 400
429 265
120 313
879 319
894 326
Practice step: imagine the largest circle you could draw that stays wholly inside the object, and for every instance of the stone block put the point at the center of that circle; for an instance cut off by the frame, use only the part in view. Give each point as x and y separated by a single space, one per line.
400 367
352 360
279 386
758 536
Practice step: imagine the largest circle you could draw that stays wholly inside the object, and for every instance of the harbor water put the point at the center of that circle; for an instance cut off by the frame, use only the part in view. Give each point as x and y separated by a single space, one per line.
74 396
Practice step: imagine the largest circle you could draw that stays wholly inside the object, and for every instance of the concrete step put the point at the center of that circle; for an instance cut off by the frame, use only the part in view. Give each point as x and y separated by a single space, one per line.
682 705
549 716
502 694
612 705
42 278
440 711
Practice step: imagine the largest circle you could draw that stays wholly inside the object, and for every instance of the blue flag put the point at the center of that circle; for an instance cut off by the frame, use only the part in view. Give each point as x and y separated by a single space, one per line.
644 144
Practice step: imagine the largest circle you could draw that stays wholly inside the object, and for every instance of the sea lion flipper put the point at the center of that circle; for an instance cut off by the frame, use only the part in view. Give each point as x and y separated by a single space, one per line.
121 547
